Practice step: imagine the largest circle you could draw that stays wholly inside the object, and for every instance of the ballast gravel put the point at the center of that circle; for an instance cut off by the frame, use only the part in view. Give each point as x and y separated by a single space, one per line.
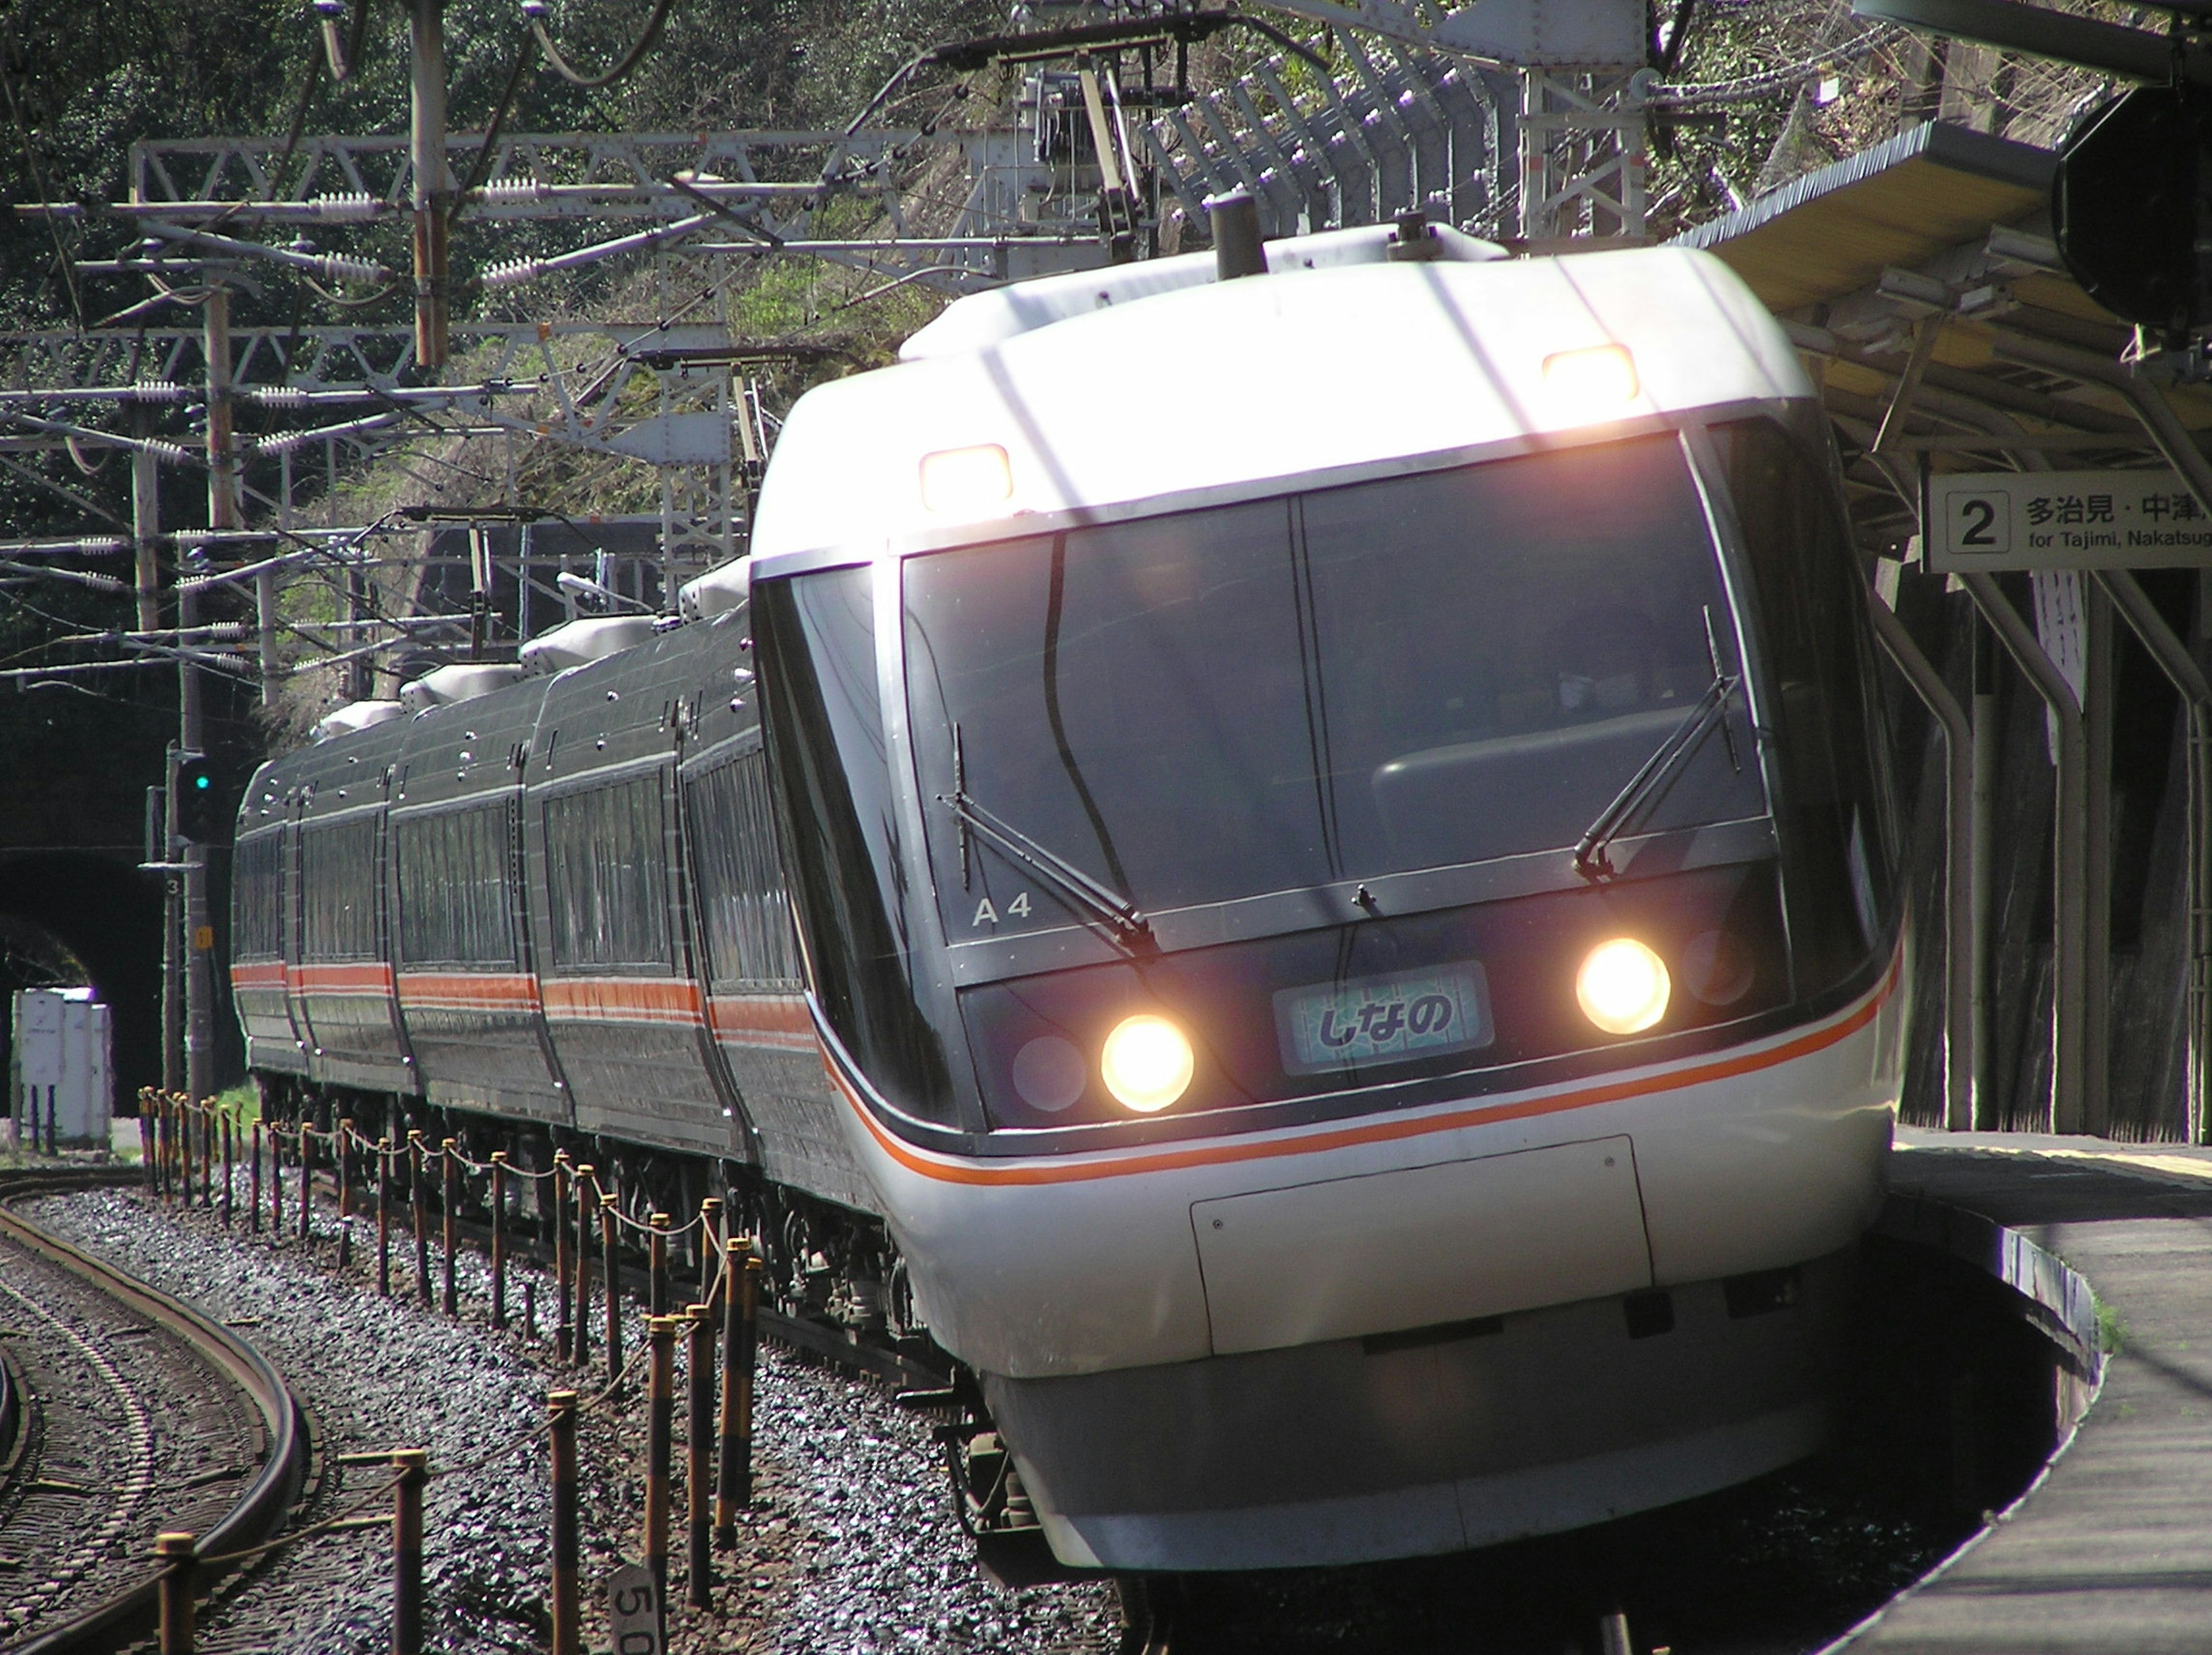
849 1547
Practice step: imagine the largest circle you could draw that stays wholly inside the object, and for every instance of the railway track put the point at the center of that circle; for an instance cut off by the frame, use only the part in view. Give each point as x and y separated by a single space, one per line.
131 1414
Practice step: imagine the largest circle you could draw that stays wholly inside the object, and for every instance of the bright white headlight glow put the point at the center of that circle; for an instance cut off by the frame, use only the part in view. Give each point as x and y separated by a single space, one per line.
974 481
1596 382
1147 1063
1623 986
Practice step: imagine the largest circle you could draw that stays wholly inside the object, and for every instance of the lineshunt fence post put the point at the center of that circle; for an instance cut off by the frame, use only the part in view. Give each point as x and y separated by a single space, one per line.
229 1164
175 1551
418 1204
660 1425
342 1143
657 1257
699 1453
384 1215
185 1138
560 1406
560 1283
207 1154
450 1199
587 1184
307 1179
710 1246
610 1267
499 1238
275 1181
146 1143
253 1188
407 1551
733 1481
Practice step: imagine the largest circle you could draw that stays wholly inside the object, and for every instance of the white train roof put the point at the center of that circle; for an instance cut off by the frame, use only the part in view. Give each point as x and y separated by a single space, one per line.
1229 386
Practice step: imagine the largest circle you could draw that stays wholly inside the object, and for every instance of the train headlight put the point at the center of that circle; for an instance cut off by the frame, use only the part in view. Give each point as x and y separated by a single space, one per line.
1623 986
1147 1063
1594 382
967 482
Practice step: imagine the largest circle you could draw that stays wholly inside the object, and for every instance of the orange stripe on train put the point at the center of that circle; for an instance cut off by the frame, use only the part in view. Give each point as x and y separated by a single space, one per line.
948 1169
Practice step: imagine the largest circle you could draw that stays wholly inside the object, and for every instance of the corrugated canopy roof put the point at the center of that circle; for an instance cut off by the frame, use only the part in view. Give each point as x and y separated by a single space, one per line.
1921 279
1833 231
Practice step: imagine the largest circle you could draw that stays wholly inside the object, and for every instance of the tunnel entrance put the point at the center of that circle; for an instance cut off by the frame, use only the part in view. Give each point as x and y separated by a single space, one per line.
68 918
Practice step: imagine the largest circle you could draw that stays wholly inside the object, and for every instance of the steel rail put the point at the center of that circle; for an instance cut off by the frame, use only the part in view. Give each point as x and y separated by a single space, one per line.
260 1511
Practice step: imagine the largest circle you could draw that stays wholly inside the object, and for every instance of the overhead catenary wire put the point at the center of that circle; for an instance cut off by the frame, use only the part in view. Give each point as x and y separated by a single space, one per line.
533 12
481 166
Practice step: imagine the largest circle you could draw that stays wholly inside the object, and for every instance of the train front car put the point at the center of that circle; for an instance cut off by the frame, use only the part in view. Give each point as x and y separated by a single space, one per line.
1345 861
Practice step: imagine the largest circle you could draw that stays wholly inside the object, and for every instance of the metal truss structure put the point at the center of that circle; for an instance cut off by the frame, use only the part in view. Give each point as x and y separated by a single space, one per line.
1506 119
833 195
665 395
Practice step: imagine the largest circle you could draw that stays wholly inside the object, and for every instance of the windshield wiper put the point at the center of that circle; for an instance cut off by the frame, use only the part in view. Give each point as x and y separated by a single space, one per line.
1652 781
1120 917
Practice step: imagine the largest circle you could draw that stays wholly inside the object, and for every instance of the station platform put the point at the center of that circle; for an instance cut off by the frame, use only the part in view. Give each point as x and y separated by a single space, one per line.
2111 1549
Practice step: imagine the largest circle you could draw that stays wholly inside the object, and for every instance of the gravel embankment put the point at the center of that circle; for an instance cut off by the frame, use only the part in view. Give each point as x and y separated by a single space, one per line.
849 1548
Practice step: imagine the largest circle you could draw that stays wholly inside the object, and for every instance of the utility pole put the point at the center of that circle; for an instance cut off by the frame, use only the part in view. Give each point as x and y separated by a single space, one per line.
192 730
430 190
146 518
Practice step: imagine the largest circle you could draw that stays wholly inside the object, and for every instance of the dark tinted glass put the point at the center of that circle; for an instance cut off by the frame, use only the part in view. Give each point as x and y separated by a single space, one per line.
340 878
456 885
1835 815
825 731
605 848
739 877
1413 672
257 897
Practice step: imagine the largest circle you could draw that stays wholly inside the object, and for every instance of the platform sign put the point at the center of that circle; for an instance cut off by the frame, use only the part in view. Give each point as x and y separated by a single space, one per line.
1992 521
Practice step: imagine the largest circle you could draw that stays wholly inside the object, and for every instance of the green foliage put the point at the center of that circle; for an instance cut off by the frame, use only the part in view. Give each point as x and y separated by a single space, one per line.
243 1098
2112 1329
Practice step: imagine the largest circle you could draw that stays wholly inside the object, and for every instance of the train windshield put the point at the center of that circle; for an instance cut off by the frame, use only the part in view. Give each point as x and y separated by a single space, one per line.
1422 671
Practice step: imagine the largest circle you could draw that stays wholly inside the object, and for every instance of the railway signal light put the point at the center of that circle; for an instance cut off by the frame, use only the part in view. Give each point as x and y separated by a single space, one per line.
202 816
2131 205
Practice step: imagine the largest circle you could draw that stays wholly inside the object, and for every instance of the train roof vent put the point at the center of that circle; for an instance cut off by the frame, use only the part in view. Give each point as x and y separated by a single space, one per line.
717 591
574 643
982 320
465 680
356 715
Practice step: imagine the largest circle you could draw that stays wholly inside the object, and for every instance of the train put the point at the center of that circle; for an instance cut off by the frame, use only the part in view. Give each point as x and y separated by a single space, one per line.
1288 860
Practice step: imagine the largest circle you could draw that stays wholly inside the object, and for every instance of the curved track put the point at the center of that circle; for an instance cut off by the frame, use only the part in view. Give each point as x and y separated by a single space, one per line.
135 1415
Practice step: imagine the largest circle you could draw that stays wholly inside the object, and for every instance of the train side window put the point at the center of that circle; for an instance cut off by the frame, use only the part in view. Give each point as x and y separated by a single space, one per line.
605 848
257 904
743 907
1838 836
339 879
456 885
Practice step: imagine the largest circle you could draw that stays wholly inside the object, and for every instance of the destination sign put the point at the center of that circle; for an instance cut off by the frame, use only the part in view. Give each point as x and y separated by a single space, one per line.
1999 521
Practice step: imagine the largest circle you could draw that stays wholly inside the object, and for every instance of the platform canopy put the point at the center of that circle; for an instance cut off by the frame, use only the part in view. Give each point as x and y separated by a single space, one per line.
1921 282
